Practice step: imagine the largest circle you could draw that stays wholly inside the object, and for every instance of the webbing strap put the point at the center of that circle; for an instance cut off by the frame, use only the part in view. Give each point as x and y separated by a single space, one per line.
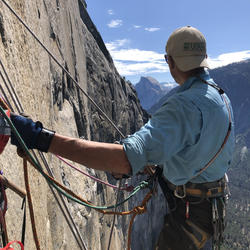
221 92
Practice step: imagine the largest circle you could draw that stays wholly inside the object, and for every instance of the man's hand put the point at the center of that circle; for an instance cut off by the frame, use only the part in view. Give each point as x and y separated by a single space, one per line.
33 133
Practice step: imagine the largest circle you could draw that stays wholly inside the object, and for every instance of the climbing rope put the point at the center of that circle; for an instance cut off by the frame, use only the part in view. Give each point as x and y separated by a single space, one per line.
62 189
135 211
71 195
30 204
138 210
125 188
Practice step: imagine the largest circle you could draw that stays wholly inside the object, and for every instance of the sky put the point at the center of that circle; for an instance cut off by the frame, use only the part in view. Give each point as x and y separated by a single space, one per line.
135 32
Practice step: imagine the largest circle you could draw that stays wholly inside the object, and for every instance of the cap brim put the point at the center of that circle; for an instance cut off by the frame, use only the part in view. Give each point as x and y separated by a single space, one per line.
186 63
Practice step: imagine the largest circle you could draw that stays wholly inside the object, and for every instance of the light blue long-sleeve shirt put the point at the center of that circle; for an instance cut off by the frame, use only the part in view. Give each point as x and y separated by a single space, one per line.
185 134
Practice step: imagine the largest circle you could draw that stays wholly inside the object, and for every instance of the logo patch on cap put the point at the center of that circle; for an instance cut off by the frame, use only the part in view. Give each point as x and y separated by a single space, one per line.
194 46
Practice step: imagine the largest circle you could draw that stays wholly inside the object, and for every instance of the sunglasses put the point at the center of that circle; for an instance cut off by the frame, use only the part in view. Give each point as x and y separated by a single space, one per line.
166 58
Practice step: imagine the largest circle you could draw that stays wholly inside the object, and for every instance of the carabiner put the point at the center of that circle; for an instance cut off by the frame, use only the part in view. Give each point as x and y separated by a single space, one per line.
177 191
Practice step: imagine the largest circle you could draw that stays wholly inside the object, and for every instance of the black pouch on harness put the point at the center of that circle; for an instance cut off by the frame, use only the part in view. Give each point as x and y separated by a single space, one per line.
168 193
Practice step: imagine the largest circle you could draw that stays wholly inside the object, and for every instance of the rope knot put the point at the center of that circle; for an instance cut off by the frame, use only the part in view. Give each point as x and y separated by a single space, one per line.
140 210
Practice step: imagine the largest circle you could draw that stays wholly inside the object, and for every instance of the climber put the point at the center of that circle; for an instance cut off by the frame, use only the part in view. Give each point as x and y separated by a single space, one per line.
193 129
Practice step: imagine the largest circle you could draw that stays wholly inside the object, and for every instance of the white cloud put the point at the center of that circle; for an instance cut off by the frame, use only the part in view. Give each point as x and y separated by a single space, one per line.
136 55
137 26
117 44
115 23
111 12
128 69
130 61
152 29
227 58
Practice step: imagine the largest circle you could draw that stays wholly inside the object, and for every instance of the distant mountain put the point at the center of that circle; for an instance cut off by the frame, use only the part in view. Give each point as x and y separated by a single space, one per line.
149 91
235 80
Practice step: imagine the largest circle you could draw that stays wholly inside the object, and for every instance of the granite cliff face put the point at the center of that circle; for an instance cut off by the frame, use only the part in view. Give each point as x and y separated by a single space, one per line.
49 95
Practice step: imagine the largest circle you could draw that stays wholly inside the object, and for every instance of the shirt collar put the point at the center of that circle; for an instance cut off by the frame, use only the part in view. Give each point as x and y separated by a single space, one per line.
190 81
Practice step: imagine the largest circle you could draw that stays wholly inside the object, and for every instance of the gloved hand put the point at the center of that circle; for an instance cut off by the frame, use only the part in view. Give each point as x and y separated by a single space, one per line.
33 133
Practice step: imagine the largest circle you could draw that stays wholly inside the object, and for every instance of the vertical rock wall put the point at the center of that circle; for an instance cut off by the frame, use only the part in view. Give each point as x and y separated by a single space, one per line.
49 95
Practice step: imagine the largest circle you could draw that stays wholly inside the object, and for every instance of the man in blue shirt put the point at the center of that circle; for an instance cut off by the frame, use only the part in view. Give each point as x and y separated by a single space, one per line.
190 136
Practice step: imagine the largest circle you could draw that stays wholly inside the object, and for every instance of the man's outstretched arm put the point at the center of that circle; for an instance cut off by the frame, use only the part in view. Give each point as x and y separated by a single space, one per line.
97 155
101 156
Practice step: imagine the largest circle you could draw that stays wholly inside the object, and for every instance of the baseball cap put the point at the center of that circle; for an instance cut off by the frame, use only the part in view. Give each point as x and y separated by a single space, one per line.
187 46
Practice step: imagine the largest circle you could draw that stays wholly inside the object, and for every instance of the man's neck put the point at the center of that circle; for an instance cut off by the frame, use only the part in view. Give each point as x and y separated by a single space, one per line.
184 76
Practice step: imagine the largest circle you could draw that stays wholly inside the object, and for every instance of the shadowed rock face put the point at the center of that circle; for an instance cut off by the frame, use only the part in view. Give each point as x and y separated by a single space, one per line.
49 95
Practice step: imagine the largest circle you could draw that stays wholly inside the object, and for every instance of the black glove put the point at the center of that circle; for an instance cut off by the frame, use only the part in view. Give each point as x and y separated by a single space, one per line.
33 133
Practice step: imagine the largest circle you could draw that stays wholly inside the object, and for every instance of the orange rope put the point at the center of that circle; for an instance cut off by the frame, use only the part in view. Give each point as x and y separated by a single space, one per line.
32 217
138 210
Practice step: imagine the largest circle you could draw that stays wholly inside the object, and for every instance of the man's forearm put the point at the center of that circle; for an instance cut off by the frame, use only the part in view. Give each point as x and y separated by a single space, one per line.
101 156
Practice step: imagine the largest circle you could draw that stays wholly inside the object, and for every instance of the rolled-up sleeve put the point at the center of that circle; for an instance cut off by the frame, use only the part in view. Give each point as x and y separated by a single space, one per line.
175 125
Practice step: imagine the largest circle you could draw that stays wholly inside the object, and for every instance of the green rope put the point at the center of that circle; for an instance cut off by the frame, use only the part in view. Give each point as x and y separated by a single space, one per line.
142 185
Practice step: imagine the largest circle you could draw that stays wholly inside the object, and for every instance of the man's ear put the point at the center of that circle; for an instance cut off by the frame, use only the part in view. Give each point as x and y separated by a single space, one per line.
171 62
